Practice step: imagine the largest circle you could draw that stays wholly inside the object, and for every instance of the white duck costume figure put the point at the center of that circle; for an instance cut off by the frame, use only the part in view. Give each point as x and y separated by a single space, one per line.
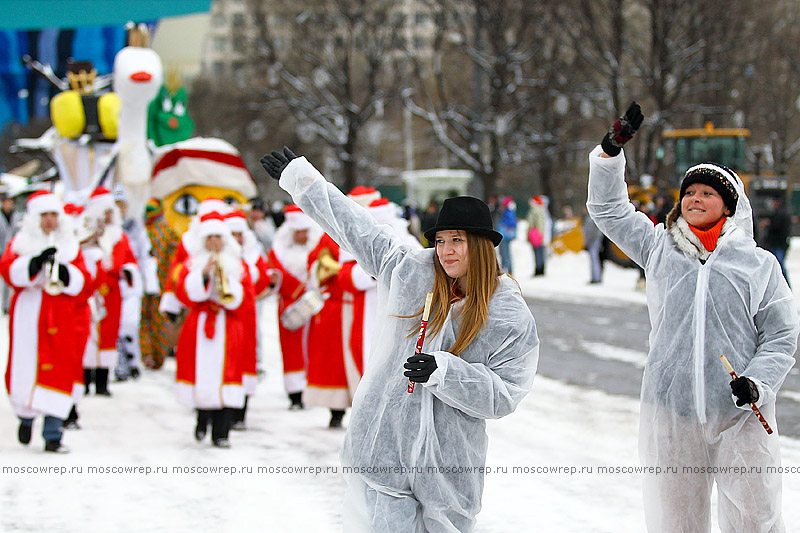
138 75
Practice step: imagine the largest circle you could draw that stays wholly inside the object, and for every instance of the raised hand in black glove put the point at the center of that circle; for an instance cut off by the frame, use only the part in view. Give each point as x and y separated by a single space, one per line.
38 262
420 367
744 390
63 274
275 162
622 130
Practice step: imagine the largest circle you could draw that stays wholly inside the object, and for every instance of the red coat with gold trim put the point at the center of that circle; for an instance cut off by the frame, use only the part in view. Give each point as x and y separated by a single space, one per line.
41 366
211 342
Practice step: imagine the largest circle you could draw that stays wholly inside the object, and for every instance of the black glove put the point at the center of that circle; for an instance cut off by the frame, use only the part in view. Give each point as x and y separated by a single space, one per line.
623 129
37 262
63 274
420 367
128 276
172 317
275 162
744 390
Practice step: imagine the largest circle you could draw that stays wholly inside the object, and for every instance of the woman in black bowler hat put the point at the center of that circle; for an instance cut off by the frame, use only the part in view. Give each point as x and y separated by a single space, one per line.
414 460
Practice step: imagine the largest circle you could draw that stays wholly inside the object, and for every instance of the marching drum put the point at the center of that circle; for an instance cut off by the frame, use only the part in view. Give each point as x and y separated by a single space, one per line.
299 312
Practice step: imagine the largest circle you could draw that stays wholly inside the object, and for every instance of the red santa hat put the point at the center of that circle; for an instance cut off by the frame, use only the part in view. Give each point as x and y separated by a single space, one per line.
236 221
296 219
384 211
210 205
212 223
364 195
73 210
100 200
200 161
44 202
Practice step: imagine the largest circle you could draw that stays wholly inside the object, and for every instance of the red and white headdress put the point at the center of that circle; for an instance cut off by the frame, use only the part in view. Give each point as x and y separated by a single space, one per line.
364 195
212 224
236 221
44 202
384 211
296 219
100 200
200 161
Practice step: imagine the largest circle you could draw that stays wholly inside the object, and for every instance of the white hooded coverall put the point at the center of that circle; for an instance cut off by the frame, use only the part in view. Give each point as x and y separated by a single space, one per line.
412 461
735 302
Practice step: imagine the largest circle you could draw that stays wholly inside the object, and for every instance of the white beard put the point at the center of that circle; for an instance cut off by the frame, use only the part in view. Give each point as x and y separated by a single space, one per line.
231 263
31 240
294 257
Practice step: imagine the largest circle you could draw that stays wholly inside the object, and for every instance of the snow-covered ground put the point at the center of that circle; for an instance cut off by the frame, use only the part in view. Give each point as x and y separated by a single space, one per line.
136 467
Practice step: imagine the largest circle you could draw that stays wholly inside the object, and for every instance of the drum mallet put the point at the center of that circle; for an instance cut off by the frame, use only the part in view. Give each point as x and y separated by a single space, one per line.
752 404
422 326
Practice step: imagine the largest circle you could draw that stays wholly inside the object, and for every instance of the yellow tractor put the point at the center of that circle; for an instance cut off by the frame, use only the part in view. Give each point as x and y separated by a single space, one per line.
685 148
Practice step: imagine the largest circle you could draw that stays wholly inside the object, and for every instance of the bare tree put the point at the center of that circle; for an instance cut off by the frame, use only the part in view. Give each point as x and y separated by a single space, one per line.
332 65
478 91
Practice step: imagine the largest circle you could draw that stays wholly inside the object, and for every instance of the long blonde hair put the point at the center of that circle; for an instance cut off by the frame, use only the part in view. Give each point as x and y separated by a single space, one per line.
483 275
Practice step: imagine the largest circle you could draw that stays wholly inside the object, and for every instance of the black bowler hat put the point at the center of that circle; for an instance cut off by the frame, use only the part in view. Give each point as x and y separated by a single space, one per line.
465 213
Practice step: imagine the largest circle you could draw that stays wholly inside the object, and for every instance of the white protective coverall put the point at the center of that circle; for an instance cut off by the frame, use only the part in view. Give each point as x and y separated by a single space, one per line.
411 459
734 303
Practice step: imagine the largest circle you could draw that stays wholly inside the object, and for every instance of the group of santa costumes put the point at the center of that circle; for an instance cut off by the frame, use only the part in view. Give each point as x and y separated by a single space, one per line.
216 353
324 352
76 313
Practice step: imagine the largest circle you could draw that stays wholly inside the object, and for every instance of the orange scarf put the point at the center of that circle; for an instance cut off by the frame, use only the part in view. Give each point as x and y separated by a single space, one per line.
710 236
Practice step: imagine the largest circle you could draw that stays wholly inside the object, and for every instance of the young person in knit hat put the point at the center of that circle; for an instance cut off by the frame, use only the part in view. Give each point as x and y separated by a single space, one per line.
710 292
43 349
479 358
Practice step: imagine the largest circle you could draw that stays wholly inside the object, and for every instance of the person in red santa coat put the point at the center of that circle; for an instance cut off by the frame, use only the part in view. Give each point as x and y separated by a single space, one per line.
294 241
86 311
44 266
360 299
212 284
253 256
121 271
328 383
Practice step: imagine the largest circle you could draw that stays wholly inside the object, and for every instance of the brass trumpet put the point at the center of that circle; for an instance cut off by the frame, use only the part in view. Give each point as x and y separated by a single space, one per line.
53 286
327 266
224 294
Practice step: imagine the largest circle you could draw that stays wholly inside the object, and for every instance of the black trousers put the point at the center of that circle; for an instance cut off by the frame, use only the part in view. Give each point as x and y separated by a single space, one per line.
220 420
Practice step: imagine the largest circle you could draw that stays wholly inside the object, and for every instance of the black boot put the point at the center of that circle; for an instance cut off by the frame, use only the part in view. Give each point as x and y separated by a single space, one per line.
220 426
101 382
201 428
296 399
55 446
72 420
24 433
237 417
336 418
88 375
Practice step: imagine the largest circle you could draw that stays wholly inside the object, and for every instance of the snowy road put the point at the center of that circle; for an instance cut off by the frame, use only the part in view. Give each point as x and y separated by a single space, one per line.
546 458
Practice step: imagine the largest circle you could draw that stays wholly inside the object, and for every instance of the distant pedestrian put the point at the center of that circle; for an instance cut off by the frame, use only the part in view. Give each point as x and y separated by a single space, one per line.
507 226
429 218
593 241
778 231
540 227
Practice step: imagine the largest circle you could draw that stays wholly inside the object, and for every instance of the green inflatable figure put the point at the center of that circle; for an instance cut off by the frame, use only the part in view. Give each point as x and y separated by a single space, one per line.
168 119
